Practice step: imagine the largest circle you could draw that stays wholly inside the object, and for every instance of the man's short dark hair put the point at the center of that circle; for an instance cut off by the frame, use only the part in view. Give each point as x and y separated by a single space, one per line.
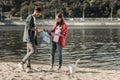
38 8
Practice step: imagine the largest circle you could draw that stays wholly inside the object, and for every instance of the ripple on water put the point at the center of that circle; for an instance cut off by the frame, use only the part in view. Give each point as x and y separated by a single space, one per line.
93 47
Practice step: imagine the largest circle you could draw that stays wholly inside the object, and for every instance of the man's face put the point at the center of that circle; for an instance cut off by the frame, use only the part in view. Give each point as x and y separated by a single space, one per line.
38 14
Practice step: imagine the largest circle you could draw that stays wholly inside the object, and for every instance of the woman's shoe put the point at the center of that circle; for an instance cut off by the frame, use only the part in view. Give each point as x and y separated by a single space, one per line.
59 70
51 70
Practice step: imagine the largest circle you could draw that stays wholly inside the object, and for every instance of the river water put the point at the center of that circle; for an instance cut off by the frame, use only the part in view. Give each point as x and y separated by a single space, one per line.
95 46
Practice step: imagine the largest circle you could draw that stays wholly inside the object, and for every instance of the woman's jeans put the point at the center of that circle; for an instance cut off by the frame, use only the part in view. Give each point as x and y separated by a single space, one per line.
53 50
30 50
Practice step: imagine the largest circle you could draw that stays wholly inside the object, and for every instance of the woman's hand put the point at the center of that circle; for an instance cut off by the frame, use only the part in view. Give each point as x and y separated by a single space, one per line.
53 34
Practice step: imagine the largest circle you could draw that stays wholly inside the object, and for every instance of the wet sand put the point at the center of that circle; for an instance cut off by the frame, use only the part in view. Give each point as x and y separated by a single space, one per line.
10 71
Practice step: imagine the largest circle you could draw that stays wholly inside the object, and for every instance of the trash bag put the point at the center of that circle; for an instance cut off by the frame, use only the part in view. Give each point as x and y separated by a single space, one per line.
45 37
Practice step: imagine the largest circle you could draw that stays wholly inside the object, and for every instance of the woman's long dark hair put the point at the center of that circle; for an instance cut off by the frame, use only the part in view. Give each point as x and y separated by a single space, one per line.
60 15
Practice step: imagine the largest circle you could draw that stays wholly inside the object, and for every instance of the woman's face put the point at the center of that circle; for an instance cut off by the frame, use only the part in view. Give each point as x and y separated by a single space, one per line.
58 19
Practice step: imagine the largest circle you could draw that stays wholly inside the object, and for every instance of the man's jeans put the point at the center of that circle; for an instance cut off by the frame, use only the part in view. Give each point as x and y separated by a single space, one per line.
30 50
53 50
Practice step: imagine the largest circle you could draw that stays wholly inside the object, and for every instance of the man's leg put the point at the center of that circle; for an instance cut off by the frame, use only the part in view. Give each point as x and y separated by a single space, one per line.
30 51
28 61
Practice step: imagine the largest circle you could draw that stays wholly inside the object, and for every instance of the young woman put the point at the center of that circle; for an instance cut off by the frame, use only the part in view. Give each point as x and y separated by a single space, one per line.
58 33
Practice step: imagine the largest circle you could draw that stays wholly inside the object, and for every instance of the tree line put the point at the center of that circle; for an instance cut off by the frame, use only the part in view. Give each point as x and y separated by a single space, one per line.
70 8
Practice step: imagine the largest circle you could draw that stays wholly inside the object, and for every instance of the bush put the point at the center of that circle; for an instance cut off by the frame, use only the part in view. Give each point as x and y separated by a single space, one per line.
13 11
17 14
118 12
24 11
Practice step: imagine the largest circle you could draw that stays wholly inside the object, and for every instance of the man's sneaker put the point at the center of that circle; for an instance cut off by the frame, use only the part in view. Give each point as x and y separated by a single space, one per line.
28 70
21 66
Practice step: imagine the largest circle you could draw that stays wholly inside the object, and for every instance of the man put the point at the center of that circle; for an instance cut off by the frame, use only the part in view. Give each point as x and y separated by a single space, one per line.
30 38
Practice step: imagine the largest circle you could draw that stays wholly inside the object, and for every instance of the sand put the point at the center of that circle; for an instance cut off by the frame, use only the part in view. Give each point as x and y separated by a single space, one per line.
10 71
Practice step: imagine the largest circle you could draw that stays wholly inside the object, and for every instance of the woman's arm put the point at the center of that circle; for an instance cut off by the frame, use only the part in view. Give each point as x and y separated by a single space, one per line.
64 31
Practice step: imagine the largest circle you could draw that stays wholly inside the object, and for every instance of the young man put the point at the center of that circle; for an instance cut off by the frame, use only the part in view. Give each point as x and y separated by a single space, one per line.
30 38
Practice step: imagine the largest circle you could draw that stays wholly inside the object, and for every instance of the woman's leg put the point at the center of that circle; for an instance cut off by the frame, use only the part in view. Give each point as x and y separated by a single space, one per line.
53 50
60 55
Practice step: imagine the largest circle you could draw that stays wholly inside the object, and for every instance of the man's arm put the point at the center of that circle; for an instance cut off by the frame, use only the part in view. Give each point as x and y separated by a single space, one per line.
37 30
32 25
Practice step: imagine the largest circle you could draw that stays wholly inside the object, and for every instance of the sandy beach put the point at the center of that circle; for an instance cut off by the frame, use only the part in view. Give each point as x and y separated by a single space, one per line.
10 71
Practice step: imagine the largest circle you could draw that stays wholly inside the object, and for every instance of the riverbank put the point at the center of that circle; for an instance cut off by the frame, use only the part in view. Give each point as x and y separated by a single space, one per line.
10 71
51 22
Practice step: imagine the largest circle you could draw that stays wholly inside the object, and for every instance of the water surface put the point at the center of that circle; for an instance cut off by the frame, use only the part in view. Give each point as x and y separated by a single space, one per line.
96 46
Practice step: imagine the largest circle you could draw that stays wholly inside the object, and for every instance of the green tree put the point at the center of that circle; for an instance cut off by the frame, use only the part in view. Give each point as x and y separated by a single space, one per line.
70 8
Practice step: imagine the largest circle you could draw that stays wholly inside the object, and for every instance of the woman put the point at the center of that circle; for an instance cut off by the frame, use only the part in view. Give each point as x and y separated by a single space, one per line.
58 33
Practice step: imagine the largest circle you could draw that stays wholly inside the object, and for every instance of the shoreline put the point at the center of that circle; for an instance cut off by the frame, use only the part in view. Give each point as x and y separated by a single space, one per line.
51 22
10 71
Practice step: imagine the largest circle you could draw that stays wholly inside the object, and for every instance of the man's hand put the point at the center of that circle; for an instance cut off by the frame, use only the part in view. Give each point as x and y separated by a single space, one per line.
37 30
33 29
